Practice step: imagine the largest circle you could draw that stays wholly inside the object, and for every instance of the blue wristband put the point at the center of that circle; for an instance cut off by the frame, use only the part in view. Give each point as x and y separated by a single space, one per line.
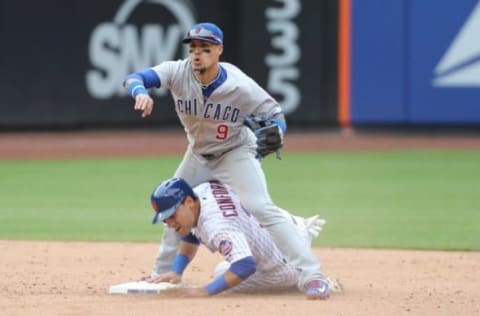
180 263
135 88
280 124
218 285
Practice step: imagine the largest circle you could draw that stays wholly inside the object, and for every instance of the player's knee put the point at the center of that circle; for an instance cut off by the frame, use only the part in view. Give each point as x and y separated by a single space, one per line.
260 208
221 268
268 214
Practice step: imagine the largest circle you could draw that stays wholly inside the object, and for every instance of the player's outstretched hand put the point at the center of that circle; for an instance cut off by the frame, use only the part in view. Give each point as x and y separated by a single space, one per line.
171 277
144 103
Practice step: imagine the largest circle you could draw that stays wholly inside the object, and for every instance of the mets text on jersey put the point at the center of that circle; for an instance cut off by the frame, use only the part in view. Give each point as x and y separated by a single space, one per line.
224 200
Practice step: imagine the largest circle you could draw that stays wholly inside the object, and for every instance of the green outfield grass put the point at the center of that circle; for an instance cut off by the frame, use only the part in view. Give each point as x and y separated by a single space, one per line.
400 199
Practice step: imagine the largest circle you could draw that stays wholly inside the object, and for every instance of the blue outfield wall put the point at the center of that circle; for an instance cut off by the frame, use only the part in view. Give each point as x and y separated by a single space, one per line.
378 68
415 62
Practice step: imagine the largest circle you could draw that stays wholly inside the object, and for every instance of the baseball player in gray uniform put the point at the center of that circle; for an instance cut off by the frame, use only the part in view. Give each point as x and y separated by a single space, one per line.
212 100
213 215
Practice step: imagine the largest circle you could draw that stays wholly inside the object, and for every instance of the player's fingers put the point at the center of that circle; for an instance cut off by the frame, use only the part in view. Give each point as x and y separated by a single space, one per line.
158 279
139 104
145 278
313 231
315 220
141 101
145 104
147 110
168 277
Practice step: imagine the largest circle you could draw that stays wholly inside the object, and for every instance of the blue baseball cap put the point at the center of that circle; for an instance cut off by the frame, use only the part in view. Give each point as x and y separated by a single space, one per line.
167 196
205 32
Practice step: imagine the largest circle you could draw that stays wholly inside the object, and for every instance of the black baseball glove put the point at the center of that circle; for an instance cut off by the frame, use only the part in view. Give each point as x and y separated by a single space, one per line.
269 135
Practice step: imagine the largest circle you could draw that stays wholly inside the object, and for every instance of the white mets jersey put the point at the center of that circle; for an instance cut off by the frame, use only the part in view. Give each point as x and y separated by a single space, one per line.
224 226
212 115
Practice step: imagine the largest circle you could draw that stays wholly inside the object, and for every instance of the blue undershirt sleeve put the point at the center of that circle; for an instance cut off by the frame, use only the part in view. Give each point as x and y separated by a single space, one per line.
148 76
244 267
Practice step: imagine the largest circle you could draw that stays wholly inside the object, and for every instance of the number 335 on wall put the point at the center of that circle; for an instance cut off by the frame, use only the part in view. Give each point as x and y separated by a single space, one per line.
283 69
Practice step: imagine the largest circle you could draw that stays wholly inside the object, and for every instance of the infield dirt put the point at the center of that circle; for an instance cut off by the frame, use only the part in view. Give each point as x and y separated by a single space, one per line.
72 278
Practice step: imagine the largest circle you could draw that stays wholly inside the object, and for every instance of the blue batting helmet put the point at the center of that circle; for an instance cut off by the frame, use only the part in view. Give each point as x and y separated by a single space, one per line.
205 32
167 196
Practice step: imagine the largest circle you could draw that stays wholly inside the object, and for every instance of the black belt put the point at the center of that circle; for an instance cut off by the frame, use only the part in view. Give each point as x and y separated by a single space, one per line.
214 156
210 156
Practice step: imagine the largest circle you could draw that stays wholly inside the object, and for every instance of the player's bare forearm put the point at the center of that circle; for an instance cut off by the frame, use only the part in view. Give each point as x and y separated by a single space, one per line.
188 249
175 276
232 279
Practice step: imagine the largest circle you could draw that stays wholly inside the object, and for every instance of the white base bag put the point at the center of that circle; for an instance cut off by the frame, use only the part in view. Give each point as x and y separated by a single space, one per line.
141 287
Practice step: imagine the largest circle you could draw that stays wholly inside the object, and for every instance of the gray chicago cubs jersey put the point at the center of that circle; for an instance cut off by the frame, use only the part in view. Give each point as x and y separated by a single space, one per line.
212 115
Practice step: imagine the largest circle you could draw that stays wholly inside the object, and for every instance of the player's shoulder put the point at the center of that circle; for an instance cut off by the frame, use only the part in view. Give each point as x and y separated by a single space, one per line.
238 78
233 70
184 63
202 189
